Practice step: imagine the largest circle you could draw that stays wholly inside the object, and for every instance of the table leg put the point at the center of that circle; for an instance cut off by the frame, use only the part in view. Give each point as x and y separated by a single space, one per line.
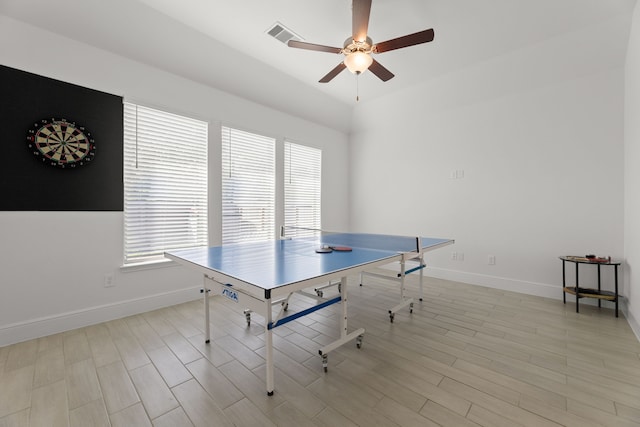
404 301
564 283
577 291
402 278
343 318
616 283
207 326
268 334
599 300
344 336
421 276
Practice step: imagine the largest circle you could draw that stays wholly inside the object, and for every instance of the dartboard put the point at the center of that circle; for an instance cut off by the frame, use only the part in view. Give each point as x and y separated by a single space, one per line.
61 143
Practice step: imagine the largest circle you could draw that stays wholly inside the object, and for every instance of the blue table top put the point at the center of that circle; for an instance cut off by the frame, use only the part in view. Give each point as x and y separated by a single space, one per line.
275 263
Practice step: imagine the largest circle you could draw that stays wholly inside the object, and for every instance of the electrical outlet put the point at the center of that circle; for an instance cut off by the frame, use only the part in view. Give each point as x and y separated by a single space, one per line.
492 260
460 256
454 256
109 281
456 174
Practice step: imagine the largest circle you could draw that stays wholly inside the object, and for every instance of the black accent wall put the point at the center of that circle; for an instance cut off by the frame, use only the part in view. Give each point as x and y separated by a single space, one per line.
28 184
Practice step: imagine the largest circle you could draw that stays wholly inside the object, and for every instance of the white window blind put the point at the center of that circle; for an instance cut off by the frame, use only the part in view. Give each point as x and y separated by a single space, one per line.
302 188
248 186
165 183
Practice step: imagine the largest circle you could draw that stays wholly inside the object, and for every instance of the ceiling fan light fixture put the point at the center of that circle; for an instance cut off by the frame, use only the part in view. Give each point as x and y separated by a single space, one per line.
358 61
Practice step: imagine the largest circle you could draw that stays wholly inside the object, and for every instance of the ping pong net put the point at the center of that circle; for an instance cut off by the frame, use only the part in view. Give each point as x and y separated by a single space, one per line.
334 239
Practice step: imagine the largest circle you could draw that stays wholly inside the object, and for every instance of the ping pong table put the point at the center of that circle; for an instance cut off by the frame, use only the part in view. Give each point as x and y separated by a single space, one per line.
260 275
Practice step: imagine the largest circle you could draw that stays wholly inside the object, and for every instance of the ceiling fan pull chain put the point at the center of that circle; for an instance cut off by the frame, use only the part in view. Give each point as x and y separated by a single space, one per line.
357 88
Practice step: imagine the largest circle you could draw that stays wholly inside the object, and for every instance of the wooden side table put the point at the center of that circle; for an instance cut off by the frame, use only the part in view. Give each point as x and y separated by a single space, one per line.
581 292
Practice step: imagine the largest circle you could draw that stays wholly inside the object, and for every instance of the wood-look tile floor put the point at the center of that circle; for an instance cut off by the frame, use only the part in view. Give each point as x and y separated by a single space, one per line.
467 356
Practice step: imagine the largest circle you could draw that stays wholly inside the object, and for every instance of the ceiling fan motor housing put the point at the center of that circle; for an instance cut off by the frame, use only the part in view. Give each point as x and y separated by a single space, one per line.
351 45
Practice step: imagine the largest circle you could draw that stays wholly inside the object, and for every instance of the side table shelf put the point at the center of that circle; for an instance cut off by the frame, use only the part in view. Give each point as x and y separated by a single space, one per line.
582 292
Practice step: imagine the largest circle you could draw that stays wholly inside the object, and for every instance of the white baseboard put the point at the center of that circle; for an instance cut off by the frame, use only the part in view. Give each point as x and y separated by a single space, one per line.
633 322
529 288
496 282
521 286
40 327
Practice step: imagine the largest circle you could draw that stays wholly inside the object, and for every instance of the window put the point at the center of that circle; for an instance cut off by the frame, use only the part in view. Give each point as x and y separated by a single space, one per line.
165 183
248 186
302 184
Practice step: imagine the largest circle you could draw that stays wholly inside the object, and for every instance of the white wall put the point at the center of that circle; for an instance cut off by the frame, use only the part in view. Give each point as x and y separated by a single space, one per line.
52 264
632 173
538 138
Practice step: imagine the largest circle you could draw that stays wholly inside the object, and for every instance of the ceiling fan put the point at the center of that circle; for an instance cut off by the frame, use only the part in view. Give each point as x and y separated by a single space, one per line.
358 48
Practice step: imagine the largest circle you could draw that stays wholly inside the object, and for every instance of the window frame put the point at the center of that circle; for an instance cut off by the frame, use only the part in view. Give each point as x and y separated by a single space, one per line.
302 188
163 163
248 202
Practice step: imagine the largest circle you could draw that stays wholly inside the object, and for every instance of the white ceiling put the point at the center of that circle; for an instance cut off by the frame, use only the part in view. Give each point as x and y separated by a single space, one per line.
223 43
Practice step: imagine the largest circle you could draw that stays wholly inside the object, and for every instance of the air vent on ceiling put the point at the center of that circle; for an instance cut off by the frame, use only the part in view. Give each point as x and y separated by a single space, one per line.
282 33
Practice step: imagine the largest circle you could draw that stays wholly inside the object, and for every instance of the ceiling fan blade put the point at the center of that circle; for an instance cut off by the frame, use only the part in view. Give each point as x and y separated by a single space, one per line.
381 72
312 46
331 74
405 41
360 19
